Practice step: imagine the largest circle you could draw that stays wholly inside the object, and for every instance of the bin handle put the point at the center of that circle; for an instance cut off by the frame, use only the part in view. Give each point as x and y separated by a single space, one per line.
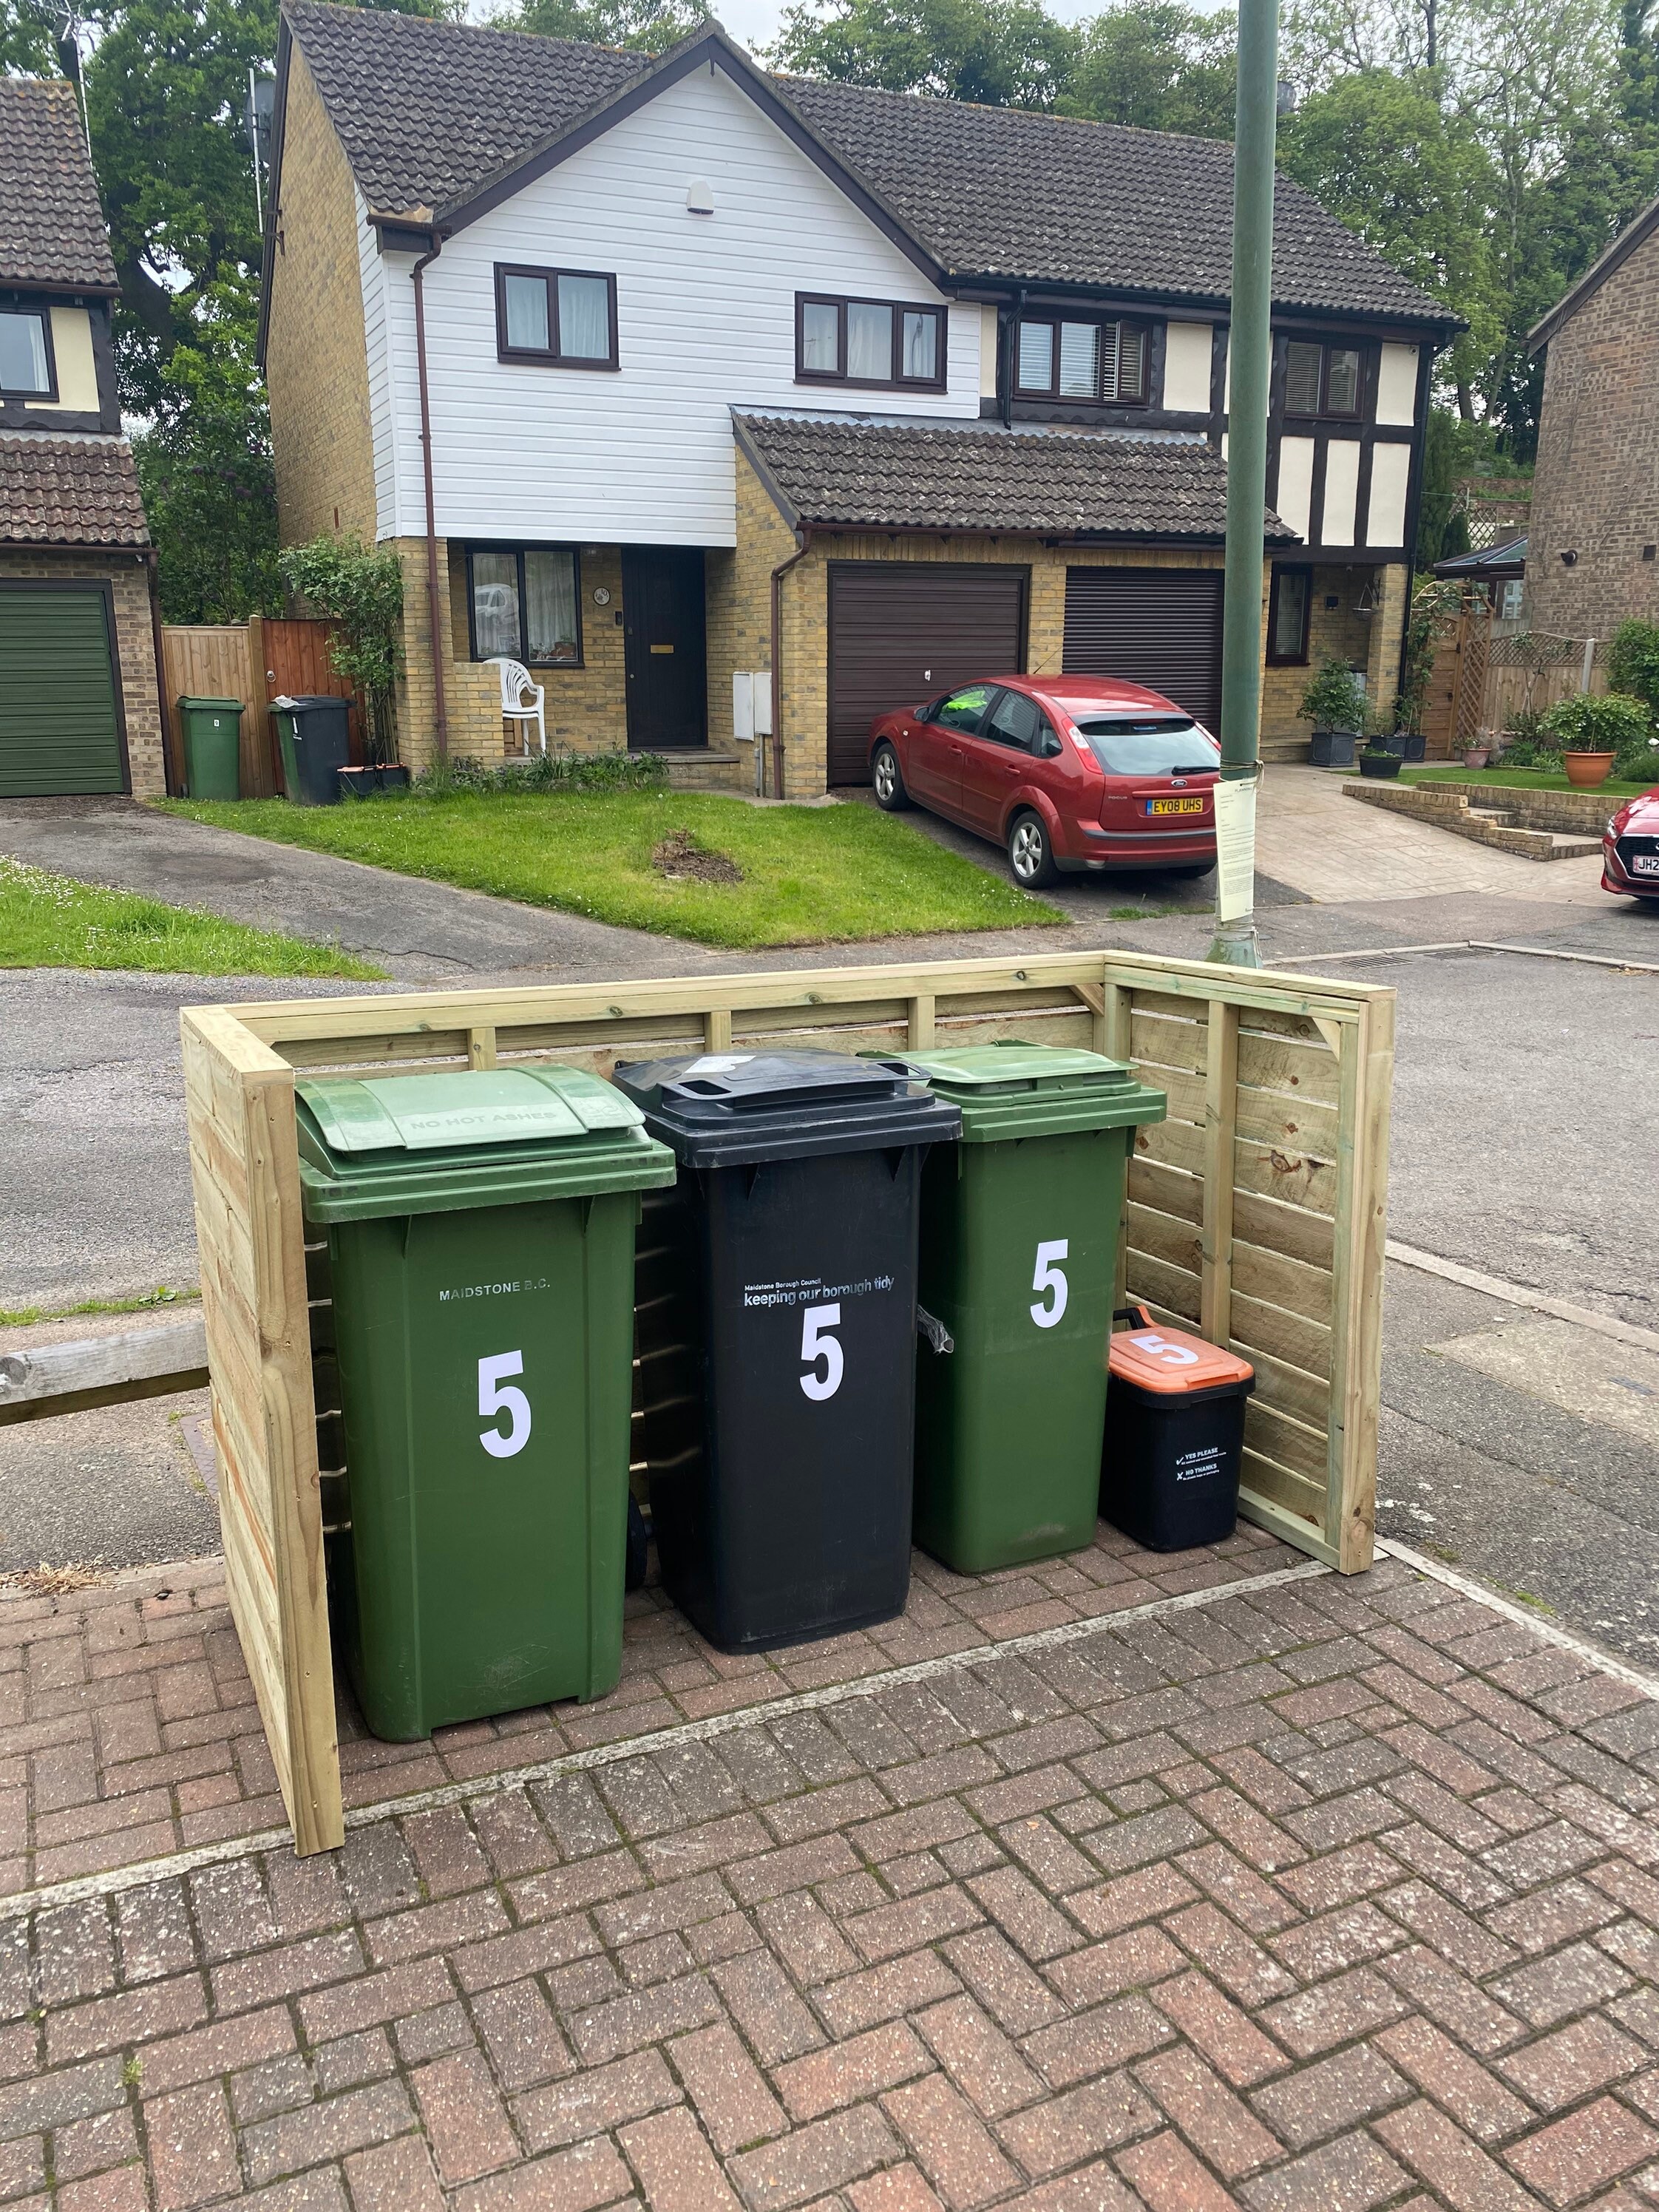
928 1326
1137 1317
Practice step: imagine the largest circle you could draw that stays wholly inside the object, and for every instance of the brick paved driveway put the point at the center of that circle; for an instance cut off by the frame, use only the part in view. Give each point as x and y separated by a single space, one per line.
1321 1894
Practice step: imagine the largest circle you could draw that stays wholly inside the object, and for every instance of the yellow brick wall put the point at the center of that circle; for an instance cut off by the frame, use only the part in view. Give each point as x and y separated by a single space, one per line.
135 649
316 363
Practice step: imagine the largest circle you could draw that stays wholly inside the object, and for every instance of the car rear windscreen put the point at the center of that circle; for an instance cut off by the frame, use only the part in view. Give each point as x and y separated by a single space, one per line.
1149 744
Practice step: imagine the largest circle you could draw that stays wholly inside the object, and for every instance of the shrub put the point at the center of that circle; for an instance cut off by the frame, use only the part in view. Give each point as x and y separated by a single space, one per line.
360 588
1608 723
1525 745
614 770
1633 664
1333 700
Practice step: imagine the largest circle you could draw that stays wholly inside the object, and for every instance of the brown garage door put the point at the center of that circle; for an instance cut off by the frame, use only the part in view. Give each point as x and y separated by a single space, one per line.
1160 627
900 629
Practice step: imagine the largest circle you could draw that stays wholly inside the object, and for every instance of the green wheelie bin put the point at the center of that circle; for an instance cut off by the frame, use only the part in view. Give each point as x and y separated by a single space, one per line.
475 1303
1019 1229
213 738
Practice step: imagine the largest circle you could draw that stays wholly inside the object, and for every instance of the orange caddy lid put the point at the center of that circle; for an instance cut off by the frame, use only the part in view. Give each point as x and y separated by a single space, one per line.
1169 1359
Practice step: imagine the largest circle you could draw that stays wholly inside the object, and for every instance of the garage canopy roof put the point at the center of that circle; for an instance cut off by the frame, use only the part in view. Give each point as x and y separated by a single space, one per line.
70 491
830 470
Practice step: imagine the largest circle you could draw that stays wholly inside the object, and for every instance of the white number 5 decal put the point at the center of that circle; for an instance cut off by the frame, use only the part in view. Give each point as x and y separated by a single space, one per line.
815 1345
1050 1280
497 1397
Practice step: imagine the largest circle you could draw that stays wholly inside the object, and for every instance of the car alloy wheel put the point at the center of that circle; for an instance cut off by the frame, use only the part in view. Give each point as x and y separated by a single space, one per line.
1028 852
887 781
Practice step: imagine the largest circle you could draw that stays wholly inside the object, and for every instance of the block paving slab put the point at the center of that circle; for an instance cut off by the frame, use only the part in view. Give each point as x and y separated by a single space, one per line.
1340 1895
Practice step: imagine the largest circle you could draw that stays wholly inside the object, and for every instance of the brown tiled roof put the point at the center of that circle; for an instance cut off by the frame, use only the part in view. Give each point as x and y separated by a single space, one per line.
895 476
430 113
70 491
52 227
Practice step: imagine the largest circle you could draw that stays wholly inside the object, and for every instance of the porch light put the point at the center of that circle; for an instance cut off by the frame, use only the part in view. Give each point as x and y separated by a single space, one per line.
1368 602
700 196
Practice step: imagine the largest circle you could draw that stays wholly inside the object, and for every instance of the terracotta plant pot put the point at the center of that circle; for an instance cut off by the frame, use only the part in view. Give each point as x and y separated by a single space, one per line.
1586 770
1475 756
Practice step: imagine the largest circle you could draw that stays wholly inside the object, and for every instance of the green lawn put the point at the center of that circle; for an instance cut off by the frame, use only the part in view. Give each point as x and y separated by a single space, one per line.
1515 779
53 921
809 873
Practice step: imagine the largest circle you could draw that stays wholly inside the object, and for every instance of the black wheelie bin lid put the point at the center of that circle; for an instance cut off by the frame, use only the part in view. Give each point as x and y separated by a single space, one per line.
720 1110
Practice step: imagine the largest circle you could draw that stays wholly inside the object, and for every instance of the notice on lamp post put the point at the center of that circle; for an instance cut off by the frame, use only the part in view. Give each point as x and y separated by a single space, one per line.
1235 848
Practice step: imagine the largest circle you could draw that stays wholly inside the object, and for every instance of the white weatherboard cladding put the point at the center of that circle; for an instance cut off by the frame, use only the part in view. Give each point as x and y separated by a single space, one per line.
988 352
1391 468
1397 385
1341 491
1294 501
706 321
377 277
1187 349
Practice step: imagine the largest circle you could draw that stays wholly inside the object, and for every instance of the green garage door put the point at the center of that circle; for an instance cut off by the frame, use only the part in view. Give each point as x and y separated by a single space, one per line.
58 728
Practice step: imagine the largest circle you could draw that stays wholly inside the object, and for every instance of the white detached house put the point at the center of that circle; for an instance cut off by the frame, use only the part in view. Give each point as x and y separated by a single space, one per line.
658 373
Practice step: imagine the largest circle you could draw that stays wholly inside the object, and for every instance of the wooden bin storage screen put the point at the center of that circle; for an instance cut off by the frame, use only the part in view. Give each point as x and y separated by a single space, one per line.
1254 1213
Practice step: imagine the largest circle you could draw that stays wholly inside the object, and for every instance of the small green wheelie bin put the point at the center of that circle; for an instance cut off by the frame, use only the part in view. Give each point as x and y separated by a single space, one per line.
478 1293
1019 1230
213 738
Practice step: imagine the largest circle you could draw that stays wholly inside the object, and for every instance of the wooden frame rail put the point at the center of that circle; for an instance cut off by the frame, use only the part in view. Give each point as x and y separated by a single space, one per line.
1255 1212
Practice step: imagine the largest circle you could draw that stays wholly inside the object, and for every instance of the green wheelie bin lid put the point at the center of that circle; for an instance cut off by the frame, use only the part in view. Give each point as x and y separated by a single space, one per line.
374 1145
1009 1090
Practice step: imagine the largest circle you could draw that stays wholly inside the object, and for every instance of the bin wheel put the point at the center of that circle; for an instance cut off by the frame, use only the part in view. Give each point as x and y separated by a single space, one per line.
888 780
1029 853
639 1537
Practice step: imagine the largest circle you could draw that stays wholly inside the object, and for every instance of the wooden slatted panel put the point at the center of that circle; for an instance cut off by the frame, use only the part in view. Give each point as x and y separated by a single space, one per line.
297 664
244 1177
1258 1204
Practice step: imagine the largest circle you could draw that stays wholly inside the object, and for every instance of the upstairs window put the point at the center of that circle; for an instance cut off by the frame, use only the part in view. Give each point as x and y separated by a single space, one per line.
869 343
25 355
1102 363
522 604
560 318
1322 379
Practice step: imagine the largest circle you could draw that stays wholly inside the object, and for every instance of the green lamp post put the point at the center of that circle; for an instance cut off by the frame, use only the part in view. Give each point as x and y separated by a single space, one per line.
1250 343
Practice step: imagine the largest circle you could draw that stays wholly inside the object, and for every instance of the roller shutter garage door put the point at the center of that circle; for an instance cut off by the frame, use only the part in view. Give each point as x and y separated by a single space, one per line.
1159 627
58 729
901 630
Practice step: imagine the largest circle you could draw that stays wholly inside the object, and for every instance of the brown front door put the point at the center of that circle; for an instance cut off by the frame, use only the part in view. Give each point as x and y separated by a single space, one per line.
903 631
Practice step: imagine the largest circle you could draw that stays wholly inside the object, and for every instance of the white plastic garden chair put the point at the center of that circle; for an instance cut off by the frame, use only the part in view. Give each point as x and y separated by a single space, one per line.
515 681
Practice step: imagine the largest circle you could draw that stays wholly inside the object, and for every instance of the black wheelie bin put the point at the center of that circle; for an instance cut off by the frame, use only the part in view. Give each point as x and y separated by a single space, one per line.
776 1310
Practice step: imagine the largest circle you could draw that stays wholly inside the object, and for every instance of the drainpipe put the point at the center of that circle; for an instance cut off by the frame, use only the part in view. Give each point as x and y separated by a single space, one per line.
803 546
439 705
1007 369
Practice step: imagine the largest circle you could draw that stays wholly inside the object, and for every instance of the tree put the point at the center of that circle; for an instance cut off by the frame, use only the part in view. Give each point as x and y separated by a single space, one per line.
1379 152
1159 65
649 26
204 469
361 589
1004 54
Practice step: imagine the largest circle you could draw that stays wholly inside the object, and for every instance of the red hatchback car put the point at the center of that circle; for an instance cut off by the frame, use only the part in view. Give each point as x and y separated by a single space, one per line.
1629 848
1066 773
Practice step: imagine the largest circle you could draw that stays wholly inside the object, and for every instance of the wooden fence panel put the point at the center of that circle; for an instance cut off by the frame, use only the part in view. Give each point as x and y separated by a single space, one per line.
212 661
245 1175
1254 1211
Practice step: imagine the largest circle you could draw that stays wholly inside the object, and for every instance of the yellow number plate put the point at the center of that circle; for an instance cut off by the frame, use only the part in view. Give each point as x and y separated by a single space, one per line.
1174 805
